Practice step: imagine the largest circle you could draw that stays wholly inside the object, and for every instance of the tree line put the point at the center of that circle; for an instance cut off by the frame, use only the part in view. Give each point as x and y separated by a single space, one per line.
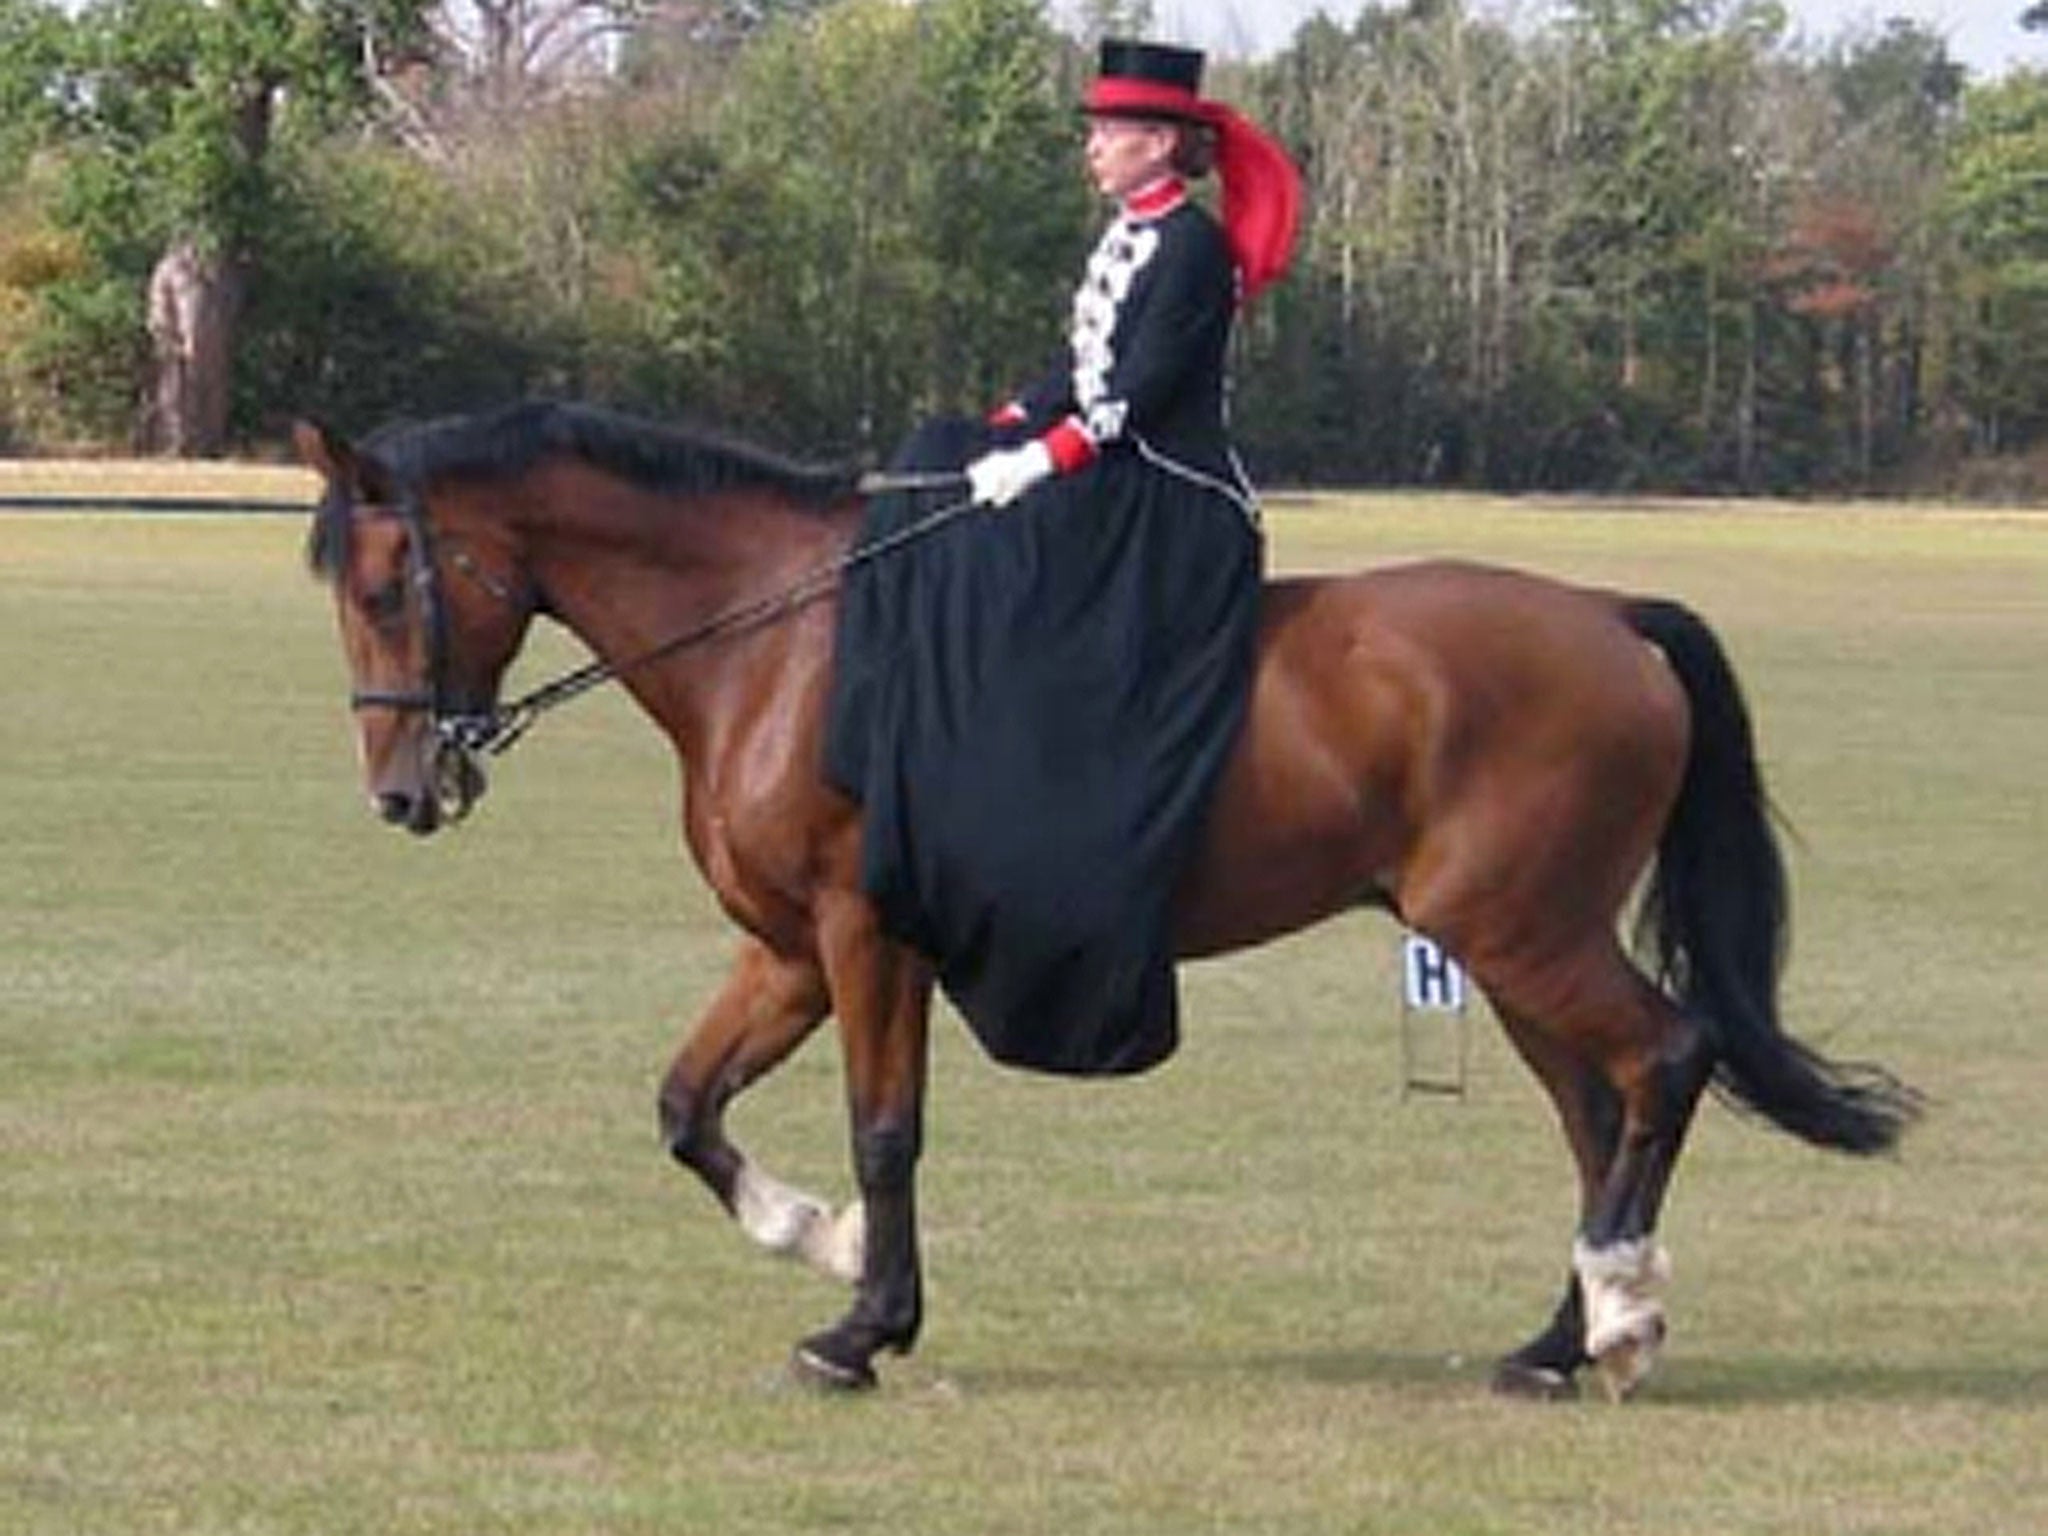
1644 244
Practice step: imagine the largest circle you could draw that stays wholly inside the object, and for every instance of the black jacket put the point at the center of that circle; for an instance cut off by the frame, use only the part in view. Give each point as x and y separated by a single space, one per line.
1146 346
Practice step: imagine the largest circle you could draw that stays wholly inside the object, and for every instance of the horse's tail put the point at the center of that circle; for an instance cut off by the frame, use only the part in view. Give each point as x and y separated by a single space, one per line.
1714 918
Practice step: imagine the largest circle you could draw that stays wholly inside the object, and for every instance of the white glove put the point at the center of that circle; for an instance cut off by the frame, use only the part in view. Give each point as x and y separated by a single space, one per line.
998 478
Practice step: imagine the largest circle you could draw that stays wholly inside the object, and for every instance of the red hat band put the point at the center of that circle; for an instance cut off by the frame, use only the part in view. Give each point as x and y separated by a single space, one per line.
1116 95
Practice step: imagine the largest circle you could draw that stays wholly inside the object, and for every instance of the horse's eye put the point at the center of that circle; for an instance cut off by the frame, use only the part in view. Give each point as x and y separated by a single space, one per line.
385 605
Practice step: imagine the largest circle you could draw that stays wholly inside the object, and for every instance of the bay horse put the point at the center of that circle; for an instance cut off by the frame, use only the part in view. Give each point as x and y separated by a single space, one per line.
1503 761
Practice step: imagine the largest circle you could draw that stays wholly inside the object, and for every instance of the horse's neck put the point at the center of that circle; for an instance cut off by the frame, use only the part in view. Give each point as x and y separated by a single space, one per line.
631 572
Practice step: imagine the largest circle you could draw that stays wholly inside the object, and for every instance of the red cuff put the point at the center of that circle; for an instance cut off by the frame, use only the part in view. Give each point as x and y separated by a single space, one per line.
1070 446
1010 413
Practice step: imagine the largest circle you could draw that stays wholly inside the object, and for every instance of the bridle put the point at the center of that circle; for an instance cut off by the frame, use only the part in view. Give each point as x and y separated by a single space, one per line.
422 580
462 734
450 752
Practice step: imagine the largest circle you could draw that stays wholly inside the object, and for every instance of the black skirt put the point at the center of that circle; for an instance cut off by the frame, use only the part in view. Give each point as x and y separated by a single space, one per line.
1033 706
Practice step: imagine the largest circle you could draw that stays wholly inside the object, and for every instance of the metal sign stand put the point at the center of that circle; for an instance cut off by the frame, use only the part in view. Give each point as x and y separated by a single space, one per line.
1433 994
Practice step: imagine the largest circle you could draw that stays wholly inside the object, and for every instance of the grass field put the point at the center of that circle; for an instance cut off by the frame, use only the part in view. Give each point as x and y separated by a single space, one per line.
330 1200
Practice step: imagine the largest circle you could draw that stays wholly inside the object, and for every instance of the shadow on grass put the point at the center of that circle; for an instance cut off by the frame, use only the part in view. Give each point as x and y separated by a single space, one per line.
1749 1381
1694 1383
1092 1370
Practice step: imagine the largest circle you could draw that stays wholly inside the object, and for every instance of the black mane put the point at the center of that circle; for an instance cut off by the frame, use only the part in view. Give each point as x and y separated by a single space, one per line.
504 443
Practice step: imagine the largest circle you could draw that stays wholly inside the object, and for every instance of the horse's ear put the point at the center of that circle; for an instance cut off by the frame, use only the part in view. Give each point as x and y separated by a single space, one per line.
321 451
332 457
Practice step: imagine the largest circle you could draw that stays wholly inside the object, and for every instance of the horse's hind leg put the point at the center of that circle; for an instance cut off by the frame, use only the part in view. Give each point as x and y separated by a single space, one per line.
1589 1111
1626 1070
768 1005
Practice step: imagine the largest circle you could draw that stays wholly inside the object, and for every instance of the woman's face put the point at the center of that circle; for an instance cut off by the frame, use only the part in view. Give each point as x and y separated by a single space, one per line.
1124 153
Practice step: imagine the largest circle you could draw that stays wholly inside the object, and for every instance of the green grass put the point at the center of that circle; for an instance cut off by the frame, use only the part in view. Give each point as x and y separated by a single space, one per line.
330 1200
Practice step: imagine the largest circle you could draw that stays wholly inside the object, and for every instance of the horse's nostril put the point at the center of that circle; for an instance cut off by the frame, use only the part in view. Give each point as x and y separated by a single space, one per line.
395 808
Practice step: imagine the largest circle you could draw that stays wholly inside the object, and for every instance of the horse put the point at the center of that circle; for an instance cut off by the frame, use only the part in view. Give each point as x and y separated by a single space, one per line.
1509 764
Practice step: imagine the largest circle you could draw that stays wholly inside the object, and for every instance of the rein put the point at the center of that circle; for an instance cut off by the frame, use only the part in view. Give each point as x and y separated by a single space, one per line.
497 730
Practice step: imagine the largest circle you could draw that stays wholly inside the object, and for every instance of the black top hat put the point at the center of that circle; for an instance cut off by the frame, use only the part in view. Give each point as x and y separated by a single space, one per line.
1136 79
1125 59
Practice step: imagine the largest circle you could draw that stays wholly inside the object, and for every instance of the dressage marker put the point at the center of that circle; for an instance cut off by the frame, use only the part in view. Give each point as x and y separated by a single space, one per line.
1435 1026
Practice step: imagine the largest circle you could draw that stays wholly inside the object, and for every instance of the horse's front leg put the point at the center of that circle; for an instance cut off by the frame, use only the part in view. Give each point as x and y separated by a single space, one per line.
882 995
769 1004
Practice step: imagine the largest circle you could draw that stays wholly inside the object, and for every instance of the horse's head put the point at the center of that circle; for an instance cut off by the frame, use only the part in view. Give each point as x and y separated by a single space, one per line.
432 603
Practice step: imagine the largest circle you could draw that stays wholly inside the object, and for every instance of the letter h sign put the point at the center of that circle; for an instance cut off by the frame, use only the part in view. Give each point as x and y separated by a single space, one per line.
1432 983
1434 980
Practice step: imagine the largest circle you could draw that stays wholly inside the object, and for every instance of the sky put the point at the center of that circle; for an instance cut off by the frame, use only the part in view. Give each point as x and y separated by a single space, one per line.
1983 34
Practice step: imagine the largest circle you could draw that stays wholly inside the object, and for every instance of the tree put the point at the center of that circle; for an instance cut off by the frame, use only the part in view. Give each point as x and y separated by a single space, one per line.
32 253
178 104
1867 241
875 221
32 41
1001 204
387 288
1999 217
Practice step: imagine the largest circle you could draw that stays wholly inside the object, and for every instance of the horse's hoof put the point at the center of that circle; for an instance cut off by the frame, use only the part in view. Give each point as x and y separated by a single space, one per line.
1624 1364
811 1366
1534 1383
1622 1370
836 1246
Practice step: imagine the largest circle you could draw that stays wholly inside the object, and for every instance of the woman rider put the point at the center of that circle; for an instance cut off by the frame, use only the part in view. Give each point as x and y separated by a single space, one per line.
1033 707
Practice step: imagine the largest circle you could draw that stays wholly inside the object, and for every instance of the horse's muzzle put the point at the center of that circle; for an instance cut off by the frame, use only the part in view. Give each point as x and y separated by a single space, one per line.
451 782
416 813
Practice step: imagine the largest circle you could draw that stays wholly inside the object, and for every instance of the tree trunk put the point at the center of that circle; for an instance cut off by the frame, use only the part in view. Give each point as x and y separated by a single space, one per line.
1866 398
194 300
1746 405
1710 368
